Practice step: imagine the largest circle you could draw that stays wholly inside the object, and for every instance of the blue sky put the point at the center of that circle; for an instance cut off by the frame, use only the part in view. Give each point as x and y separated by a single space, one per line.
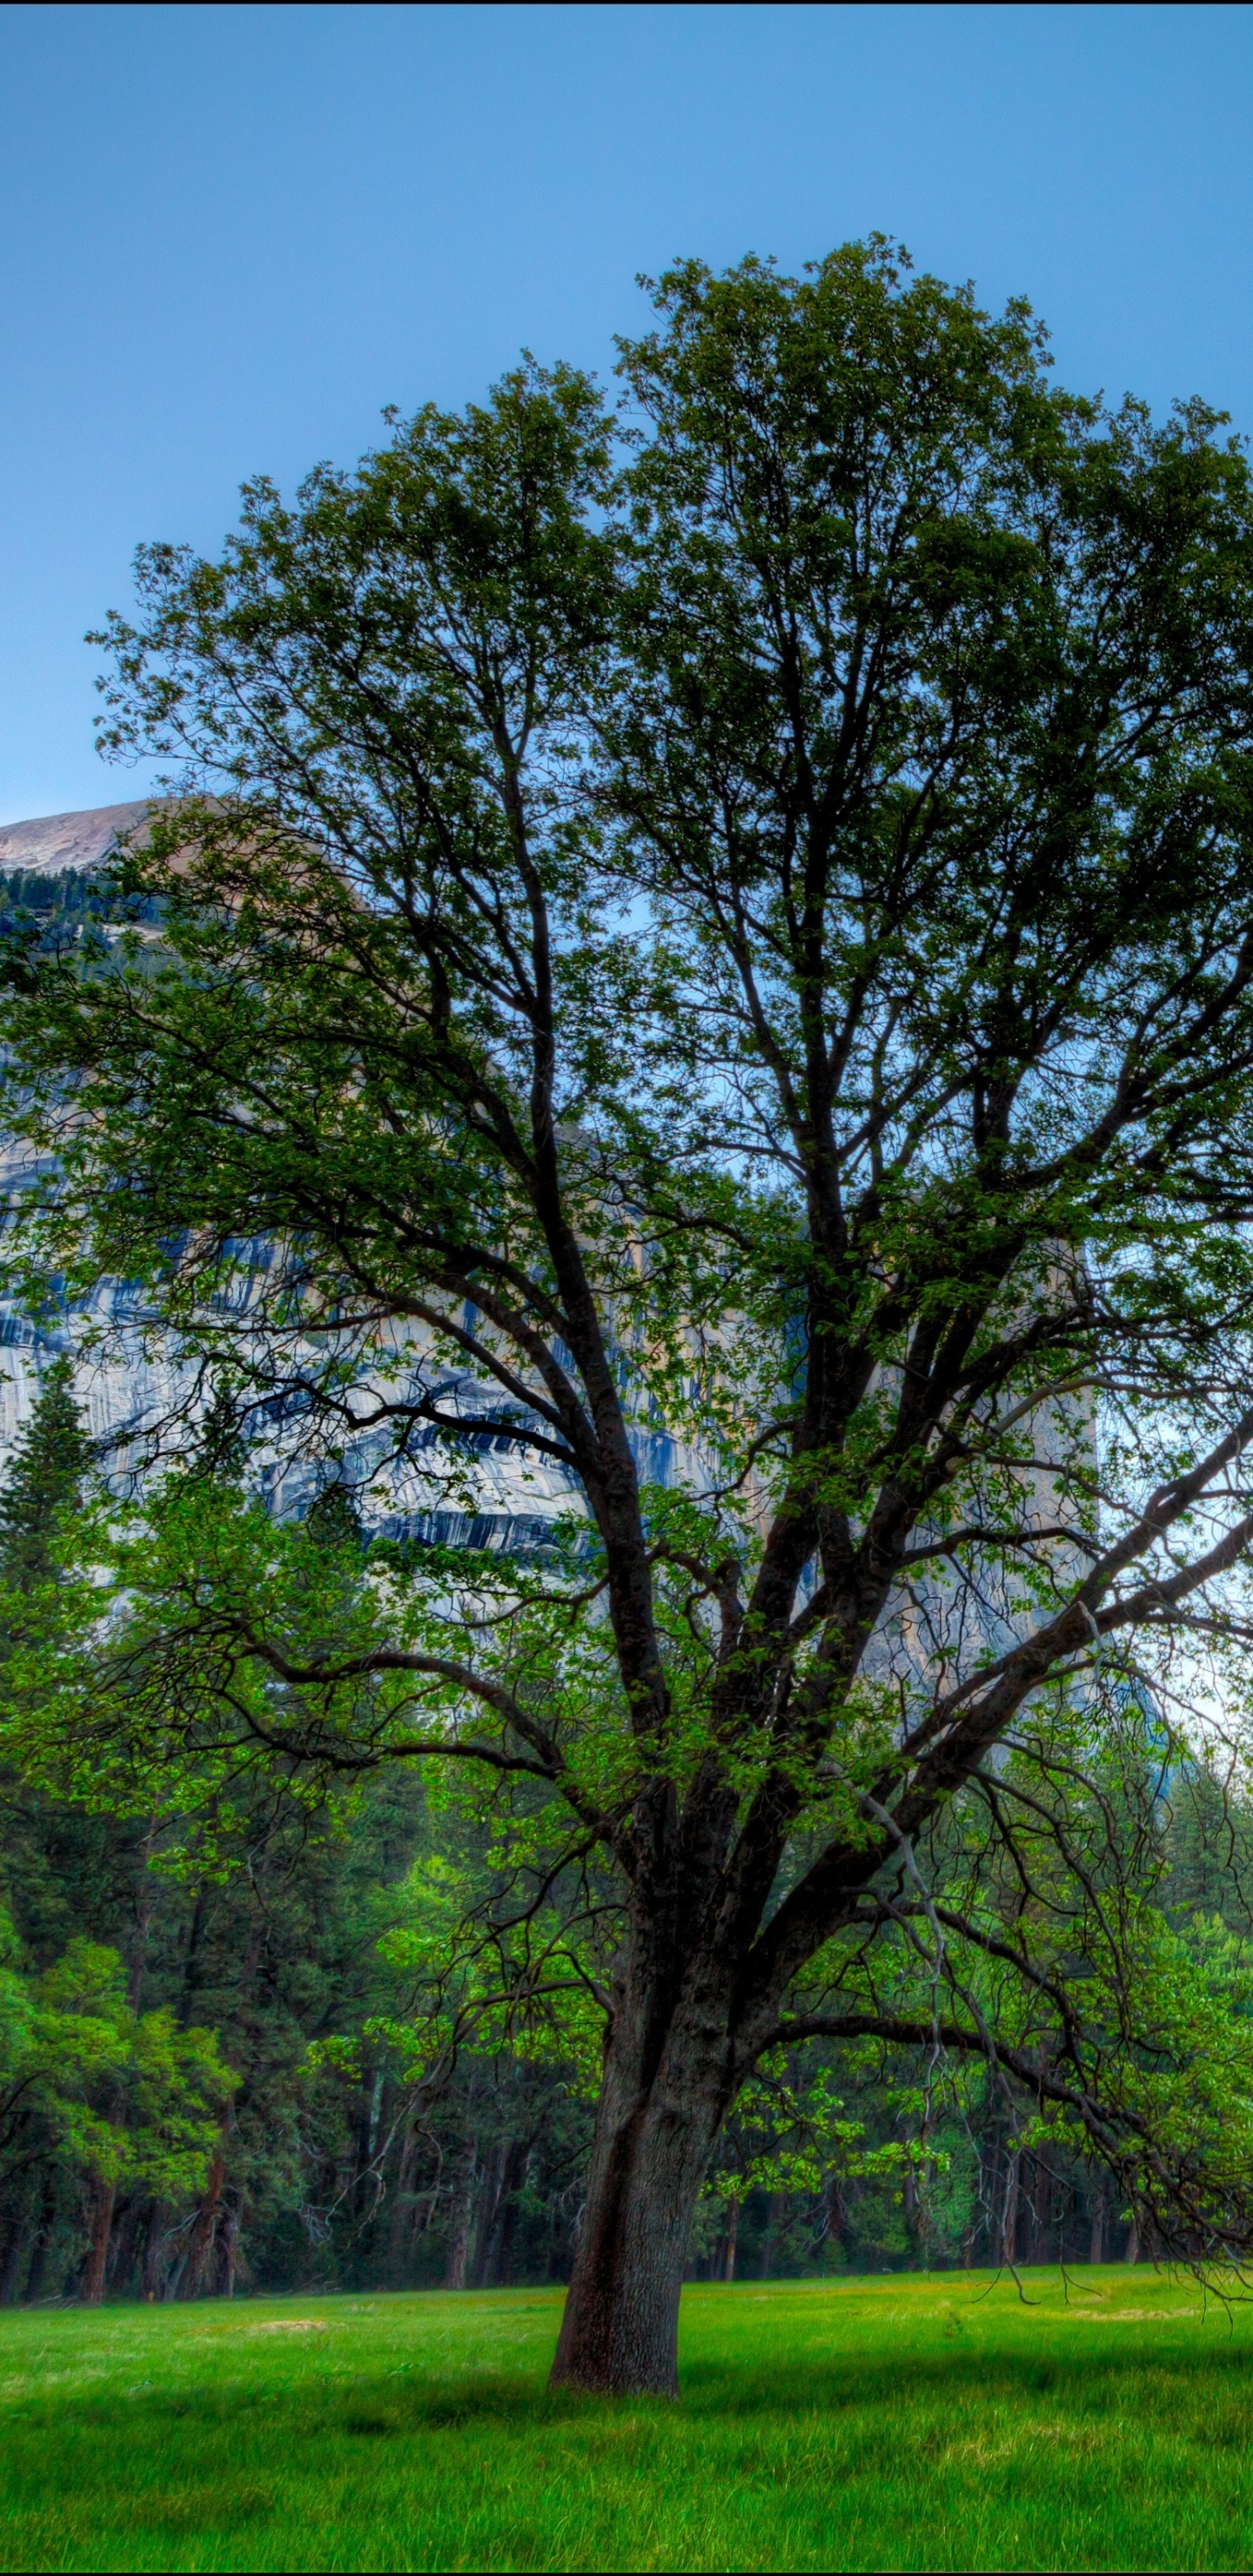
229 235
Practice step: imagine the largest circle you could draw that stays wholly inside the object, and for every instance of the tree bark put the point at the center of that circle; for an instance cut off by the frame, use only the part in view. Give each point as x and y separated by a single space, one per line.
655 2133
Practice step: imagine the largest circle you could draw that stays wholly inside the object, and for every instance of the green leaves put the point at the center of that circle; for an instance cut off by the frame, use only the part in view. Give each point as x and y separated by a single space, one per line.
793 2138
709 960
129 2098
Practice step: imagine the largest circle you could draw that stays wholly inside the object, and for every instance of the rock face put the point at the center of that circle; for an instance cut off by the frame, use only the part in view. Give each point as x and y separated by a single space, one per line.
54 843
478 1490
481 1492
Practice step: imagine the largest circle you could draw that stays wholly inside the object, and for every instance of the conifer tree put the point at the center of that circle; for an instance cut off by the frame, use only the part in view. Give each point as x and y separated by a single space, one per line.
44 1481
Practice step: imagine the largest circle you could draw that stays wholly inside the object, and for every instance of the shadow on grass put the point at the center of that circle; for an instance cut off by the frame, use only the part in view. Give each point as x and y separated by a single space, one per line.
376 2408
964 2372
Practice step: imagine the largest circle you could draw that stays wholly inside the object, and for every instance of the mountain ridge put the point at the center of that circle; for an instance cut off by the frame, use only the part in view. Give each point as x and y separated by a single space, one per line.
49 845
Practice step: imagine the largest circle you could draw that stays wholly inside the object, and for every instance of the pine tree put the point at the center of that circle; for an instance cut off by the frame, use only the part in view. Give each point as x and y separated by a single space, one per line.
44 1481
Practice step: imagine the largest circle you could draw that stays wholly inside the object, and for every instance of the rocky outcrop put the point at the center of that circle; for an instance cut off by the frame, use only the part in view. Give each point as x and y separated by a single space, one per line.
54 843
481 1491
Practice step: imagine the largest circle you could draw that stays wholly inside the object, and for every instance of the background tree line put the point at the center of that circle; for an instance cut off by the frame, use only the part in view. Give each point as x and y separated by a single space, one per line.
203 2079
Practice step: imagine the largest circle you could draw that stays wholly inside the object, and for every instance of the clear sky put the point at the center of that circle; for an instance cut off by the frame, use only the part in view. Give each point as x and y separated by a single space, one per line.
229 235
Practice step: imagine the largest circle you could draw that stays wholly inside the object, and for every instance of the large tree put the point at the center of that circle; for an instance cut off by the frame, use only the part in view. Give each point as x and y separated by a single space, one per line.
731 924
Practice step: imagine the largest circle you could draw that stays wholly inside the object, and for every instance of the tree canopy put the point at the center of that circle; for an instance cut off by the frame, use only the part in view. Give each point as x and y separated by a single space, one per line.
725 924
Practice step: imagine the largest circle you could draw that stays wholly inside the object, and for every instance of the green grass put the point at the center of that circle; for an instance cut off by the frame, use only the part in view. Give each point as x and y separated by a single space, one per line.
894 2423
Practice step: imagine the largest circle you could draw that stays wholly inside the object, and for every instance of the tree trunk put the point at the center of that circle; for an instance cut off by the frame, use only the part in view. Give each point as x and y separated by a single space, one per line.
18 2249
230 2247
124 2245
1042 2210
511 2216
492 2270
733 2231
154 2249
489 2200
654 2138
1096 2249
458 2252
461 2216
1009 2211
401 2209
98 2248
16 2258
766 2255
200 2244
43 2236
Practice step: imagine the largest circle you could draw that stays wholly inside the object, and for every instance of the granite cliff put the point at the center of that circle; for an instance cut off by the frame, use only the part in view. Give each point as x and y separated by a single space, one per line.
53 844
133 1379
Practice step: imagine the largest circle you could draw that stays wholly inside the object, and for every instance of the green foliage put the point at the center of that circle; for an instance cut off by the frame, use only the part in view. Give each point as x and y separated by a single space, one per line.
795 2140
121 2096
45 1480
48 911
717 947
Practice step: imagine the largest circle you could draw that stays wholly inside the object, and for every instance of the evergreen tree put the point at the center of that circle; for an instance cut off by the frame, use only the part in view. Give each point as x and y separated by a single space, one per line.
45 1481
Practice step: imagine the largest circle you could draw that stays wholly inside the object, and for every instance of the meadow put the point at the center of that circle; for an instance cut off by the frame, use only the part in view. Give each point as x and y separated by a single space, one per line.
1101 2421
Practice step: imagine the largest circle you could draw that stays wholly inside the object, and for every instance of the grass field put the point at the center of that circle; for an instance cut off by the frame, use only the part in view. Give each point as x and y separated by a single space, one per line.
894 2423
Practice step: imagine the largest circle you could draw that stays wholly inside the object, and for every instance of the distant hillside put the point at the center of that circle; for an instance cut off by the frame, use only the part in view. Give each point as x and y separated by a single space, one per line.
54 843
50 871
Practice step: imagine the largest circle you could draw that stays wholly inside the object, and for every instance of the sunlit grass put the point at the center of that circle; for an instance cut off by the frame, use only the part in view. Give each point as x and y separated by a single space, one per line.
895 2423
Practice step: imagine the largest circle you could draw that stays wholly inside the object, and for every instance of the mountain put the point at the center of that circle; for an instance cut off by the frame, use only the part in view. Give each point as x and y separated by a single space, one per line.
129 1377
54 843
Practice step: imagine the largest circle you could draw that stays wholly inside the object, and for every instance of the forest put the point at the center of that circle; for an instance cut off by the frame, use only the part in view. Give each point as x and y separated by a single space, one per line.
204 2088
